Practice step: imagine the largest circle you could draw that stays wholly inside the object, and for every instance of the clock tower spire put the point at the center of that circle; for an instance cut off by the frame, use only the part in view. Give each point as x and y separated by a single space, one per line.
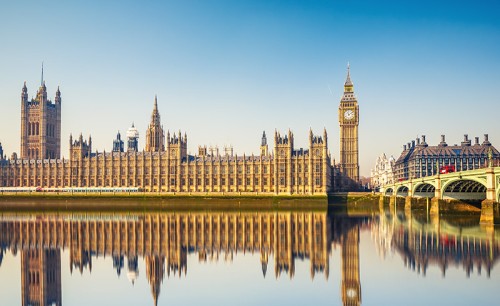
349 121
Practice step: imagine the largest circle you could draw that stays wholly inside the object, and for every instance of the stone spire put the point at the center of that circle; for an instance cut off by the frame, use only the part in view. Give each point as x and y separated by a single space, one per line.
348 81
348 95
155 136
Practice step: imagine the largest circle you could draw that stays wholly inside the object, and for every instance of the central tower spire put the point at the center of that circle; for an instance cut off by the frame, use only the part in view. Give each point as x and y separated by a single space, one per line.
155 136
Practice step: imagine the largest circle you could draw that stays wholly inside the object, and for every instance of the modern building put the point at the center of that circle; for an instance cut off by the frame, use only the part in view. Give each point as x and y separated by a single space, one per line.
383 172
418 159
349 149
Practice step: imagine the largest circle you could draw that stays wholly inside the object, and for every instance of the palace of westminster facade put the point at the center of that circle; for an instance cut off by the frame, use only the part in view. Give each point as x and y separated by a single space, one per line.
165 166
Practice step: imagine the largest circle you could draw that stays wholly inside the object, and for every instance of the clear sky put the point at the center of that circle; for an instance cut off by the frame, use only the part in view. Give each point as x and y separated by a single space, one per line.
224 71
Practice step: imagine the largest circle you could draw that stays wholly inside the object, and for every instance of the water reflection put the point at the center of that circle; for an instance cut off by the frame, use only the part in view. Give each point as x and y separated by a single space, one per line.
164 241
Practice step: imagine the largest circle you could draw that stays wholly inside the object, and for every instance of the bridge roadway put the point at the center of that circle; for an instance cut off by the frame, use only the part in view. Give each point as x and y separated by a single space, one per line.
479 184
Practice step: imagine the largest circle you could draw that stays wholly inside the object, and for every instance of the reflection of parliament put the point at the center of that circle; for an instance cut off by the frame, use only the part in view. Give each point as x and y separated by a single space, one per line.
165 240
165 166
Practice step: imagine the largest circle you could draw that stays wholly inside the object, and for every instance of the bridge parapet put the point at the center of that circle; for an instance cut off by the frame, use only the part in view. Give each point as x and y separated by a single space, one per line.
444 186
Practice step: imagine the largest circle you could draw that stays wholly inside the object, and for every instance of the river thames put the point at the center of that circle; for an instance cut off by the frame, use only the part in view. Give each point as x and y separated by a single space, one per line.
247 255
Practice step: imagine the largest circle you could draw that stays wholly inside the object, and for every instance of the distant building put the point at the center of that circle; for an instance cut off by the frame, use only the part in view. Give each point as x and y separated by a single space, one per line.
383 172
132 139
118 143
418 159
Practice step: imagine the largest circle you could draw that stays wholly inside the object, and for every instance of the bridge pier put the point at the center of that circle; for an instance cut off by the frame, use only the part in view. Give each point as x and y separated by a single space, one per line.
490 184
435 206
409 203
490 212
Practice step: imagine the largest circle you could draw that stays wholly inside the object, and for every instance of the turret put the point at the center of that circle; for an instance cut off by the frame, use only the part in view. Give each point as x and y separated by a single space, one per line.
57 100
24 93
264 151
80 148
132 139
118 143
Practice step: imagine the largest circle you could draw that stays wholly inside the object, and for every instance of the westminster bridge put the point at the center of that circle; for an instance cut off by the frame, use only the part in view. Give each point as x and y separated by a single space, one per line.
473 185
164 241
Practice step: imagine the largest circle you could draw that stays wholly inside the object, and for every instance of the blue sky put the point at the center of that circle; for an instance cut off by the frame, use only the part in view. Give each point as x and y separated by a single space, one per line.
224 71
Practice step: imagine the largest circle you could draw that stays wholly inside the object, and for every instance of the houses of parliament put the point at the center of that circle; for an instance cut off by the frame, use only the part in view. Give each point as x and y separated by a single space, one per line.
164 166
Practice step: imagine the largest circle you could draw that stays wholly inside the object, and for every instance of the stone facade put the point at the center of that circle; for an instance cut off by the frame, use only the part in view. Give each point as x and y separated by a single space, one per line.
165 166
40 125
383 173
349 149
418 159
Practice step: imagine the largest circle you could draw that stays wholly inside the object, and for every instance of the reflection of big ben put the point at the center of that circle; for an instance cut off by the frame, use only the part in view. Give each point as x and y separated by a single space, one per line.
349 121
351 286
41 277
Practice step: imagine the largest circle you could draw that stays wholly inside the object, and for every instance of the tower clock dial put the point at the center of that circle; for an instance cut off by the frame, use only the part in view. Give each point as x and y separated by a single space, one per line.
349 114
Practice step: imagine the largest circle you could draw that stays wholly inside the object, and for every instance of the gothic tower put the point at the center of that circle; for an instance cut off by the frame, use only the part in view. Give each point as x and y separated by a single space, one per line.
349 121
155 137
155 272
264 151
118 143
40 124
283 150
351 285
41 277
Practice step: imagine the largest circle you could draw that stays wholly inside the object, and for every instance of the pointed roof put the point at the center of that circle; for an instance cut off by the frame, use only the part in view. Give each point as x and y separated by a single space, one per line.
348 81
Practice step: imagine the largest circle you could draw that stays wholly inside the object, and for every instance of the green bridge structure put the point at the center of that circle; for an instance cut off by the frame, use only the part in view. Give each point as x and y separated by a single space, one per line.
479 185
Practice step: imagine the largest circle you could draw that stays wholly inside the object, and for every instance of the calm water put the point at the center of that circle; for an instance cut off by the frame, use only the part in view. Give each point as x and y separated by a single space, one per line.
289 256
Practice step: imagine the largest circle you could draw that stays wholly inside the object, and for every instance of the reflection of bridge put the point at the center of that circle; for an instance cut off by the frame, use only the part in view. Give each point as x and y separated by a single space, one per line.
438 242
476 184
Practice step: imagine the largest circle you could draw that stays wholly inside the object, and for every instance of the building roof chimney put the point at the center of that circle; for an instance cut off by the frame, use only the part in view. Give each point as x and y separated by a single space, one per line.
443 141
466 141
476 143
486 142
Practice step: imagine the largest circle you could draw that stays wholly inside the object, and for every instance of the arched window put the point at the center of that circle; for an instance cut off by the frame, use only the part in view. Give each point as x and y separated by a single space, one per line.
29 129
37 129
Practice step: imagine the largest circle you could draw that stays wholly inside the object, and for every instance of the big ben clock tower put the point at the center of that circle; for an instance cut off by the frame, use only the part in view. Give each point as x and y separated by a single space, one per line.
349 121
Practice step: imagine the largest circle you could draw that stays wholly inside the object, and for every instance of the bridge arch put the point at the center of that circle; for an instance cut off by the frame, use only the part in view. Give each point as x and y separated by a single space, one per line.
389 191
424 190
402 191
464 189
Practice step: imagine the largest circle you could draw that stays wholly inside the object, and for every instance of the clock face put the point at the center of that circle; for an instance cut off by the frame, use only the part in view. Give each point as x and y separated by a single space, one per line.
351 293
349 114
